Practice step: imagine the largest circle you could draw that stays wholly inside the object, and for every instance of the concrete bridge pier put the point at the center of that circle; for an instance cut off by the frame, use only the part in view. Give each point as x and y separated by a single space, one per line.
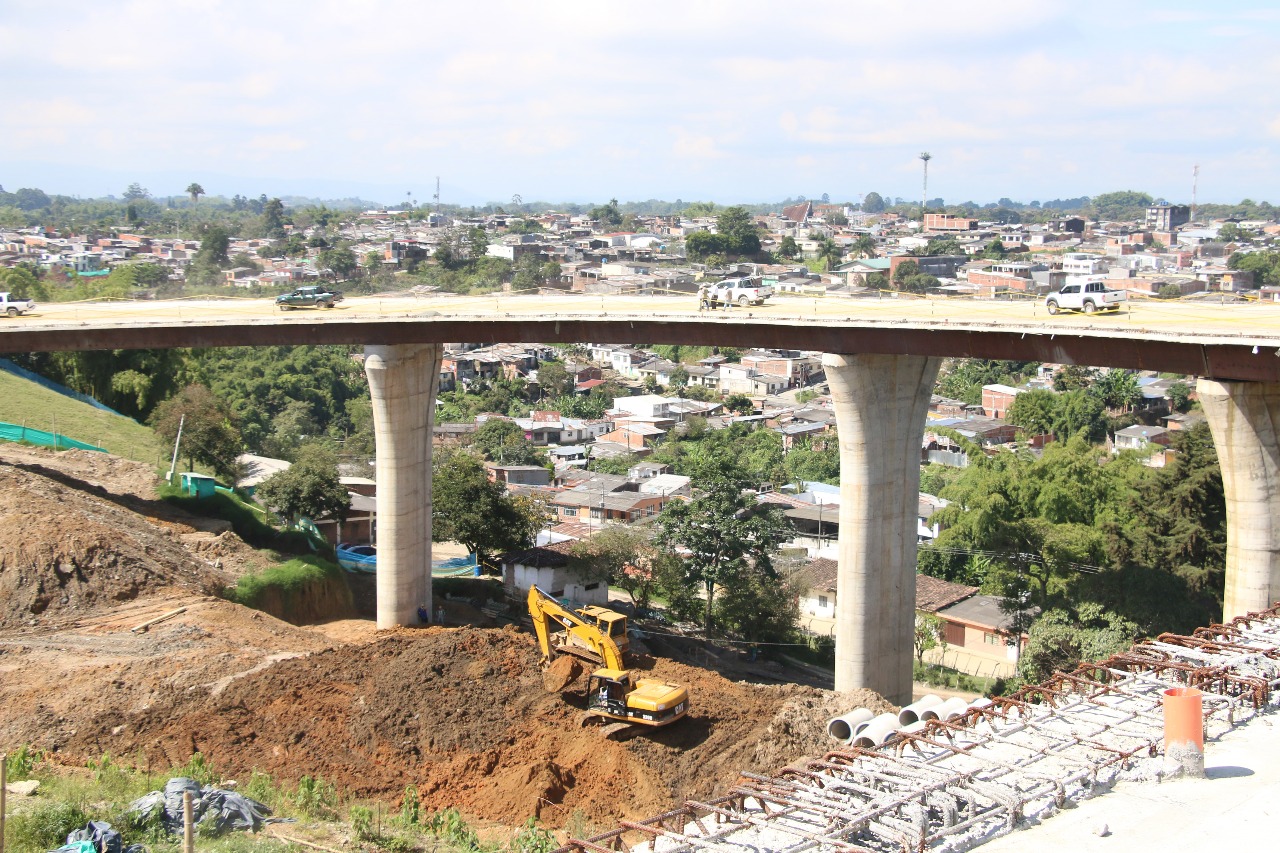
1244 418
402 382
880 405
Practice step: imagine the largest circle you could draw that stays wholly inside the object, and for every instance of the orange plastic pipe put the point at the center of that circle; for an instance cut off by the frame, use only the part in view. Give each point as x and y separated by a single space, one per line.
1183 719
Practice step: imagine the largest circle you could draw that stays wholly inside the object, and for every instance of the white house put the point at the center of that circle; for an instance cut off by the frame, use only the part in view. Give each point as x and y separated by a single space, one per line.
547 567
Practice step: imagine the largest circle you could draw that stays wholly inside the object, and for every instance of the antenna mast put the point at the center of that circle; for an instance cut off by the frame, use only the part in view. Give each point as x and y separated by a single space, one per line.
437 195
1195 183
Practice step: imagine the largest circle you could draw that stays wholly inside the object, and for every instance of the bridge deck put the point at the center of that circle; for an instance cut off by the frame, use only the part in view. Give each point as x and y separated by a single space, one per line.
1198 338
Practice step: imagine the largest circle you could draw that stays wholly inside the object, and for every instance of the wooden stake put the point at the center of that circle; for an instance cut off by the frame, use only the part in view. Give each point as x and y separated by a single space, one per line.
188 825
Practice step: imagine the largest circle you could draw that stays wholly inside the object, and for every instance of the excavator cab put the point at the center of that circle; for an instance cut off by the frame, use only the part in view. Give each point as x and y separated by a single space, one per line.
607 693
607 622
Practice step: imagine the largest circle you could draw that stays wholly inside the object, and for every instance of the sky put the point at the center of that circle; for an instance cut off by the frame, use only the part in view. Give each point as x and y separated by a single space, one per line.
719 100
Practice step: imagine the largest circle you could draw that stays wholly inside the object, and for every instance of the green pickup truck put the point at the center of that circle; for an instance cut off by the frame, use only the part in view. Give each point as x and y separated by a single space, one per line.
311 296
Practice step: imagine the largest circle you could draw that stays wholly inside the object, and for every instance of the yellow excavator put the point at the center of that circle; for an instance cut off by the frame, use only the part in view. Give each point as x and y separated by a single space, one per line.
612 691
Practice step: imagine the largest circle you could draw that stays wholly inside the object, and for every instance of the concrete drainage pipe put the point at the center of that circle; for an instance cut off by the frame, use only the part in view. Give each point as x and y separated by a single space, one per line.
911 713
844 727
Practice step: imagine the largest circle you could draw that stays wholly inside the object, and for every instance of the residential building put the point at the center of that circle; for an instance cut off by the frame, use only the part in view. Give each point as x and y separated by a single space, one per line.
1166 217
548 567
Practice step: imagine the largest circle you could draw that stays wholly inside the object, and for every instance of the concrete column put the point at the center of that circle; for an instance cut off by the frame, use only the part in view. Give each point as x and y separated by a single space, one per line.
880 404
402 382
1244 418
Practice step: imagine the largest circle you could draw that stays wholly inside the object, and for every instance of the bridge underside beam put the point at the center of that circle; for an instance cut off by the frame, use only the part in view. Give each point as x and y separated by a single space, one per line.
1128 348
1245 420
402 383
880 404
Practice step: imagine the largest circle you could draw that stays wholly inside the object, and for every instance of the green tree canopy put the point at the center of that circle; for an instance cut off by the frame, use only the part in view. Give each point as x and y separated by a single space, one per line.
470 509
738 229
504 442
209 433
341 260
309 488
726 536
873 203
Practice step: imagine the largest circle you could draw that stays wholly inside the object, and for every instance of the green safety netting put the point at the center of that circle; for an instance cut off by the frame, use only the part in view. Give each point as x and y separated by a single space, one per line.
17 432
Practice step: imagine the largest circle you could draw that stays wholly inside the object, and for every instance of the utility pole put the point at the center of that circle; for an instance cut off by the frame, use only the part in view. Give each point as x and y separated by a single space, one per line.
1195 184
925 157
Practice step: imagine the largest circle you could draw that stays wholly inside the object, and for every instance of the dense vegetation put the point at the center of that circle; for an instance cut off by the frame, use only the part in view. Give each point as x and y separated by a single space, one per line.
1077 526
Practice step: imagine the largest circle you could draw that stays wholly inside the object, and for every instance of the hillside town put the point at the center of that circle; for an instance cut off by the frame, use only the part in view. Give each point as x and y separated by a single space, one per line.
592 470
1163 255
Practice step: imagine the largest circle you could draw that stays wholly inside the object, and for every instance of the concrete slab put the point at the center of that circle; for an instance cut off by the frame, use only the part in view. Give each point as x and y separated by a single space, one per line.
1238 803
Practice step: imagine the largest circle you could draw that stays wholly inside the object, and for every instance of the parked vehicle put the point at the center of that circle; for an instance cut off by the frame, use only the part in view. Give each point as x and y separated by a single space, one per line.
1089 297
13 307
310 296
734 291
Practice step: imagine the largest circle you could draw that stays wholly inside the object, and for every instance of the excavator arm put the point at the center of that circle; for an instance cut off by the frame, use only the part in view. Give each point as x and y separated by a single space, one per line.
544 610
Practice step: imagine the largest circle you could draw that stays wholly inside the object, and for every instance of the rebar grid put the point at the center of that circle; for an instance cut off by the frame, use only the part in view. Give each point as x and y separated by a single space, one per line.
981 773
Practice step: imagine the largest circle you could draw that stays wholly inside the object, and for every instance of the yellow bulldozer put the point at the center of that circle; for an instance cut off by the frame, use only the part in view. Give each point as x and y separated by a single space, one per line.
613 691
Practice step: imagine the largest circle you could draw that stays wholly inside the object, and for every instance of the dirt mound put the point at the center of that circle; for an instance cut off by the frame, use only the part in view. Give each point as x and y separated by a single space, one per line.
462 714
66 550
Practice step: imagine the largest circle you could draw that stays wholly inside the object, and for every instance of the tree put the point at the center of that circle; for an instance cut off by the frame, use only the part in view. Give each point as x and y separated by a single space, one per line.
1169 291
273 218
470 509
209 432
863 247
504 442
738 229
22 284
621 554
554 379
701 245
29 199
727 537
195 191
1230 233
1073 377
341 261
994 250
905 270
607 214
134 192
1060 640
478 243
929 633
215 243
740 403
788 248
943 246
873 203
1180 396
1122 205
1036 411
830 253
309 488
1117 389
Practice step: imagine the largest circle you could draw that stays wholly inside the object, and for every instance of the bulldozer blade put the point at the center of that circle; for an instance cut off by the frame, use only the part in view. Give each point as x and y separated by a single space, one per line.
562 673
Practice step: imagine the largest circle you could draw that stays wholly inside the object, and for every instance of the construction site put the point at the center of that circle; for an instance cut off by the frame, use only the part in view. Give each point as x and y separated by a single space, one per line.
114 639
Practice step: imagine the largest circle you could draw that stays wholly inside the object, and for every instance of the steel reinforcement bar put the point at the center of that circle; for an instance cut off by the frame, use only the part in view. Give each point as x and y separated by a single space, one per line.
964 780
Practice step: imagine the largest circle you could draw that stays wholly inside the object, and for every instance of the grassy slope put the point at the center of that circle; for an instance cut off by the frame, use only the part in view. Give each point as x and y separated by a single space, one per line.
25 402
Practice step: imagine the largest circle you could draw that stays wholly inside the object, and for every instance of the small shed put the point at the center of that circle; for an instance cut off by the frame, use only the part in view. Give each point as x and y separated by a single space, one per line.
197 485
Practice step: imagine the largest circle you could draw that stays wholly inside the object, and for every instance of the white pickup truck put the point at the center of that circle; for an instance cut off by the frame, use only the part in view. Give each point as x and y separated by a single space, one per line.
1089 297
737 291
13 307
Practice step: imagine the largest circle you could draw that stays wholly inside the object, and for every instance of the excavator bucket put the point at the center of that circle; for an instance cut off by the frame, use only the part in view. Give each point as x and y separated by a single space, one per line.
562 673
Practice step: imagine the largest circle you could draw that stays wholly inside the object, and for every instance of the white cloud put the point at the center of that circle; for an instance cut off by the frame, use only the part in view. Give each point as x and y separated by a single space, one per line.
733 99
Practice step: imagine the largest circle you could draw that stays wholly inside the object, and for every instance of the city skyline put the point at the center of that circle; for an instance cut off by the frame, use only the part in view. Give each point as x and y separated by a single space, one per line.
729 102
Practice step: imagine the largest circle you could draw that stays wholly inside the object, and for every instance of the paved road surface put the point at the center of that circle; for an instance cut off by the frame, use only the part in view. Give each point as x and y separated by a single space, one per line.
1258 322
